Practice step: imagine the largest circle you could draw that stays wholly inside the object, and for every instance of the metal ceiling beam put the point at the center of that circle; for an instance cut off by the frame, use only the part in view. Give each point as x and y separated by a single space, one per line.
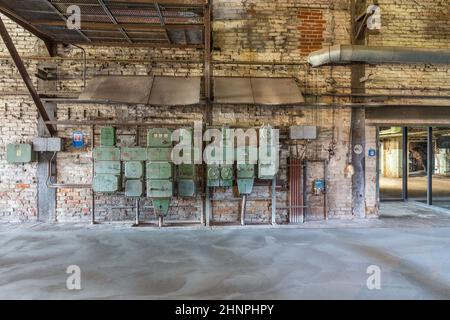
25 76
114 21
128 26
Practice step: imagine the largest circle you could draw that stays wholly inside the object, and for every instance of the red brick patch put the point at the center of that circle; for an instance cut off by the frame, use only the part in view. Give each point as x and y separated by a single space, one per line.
312 28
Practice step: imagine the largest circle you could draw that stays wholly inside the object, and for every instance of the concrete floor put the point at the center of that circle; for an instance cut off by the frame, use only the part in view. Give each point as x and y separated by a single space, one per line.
323 261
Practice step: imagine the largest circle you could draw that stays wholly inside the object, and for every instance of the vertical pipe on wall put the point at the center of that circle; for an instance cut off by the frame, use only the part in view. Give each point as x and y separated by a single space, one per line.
244 203
430 166
137 211
405 164
274 201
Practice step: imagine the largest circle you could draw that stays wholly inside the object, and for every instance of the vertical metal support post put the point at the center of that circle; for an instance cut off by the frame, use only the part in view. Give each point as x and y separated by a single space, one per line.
93 173
430 167
274 201
243 205
358 119
137 211
405 163
207 207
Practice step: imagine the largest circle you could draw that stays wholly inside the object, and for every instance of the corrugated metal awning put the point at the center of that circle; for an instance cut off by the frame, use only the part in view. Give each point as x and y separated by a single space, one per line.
262 91
169 91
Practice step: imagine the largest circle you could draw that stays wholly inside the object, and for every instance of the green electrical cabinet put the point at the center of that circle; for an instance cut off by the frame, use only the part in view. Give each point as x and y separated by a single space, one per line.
107 137
134 188
133 154
186 188
159 137
186 171
226 175
134 170
20 153
106 183
213 176
245 178
159 154
108 167
159 170
106 154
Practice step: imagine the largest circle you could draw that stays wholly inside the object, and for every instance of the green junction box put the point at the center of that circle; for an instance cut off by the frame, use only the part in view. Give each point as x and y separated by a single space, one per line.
134 188
106 154
106 183
133 154
159 154
186 188
134 170
159 170
159 137
20 153
108 167
159 188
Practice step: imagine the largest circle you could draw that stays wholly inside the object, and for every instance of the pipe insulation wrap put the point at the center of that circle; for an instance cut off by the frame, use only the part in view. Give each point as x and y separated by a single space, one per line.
345 54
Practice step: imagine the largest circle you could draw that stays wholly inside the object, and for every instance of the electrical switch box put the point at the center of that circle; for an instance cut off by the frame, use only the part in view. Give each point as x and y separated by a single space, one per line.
159 170
133 154
186 171
134 170
227 176
107 167
245 186
159 188
107 137
186 188
245 171
20 153
134 188
106 154
159 154
267 171
106 183
213 175
159 137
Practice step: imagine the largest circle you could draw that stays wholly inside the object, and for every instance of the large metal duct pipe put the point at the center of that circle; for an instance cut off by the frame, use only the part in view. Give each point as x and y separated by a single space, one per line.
345 54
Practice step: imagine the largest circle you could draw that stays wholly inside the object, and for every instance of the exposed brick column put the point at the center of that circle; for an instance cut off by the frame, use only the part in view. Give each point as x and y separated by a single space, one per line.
312 28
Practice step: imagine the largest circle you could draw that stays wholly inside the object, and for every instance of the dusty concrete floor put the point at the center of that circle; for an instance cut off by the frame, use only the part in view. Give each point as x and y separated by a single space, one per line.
410 245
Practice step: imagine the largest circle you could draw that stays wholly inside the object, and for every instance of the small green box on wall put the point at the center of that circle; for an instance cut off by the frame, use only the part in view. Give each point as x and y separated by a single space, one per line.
134 170
107 137
20 153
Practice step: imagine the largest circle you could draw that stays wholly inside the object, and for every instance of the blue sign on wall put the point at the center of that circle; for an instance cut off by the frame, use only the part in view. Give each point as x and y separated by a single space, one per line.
372 153
78 139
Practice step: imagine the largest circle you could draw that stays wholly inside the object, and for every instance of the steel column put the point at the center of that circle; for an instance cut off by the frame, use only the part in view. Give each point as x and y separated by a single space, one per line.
25 76
405 164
